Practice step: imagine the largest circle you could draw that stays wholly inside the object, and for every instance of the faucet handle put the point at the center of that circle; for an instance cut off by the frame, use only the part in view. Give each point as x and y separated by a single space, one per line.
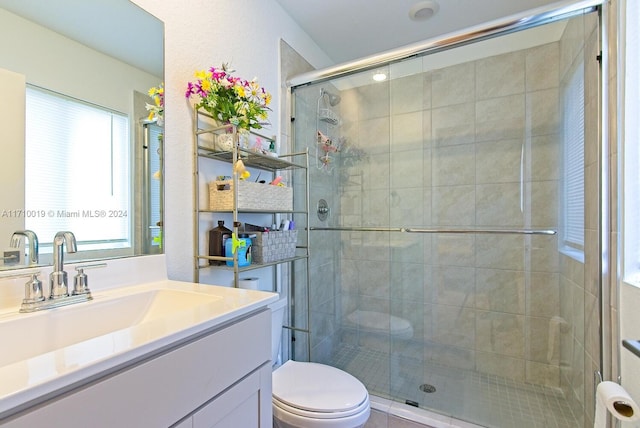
33 294
80 281
33 290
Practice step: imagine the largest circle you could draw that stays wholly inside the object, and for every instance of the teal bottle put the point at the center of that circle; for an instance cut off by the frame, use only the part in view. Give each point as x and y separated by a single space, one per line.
244 250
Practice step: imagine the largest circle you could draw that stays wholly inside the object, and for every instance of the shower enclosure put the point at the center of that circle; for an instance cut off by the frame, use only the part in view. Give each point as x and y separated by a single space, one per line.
455 265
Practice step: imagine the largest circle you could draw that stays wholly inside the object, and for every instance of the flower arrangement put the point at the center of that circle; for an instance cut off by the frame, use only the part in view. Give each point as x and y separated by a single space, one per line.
156 110
230 99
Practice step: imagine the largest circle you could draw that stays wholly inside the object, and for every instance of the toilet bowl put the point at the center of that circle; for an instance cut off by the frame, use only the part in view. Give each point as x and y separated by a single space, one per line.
312 395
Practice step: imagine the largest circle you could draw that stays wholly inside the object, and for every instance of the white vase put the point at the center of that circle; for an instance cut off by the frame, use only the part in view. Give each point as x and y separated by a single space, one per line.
224 142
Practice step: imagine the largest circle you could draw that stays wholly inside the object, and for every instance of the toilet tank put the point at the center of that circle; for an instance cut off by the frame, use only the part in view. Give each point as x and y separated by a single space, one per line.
277 320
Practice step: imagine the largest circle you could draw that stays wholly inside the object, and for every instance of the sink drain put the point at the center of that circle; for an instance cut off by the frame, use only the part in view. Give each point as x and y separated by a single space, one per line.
425 387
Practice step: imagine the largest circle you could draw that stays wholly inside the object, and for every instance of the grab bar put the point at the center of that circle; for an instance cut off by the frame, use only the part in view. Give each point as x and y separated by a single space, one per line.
438 230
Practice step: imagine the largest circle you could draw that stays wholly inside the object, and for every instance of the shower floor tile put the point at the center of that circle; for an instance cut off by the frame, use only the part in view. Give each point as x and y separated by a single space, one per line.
486 400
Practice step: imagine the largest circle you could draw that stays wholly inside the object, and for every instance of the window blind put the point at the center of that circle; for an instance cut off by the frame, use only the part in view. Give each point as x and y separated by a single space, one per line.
77 169
573 182
155 169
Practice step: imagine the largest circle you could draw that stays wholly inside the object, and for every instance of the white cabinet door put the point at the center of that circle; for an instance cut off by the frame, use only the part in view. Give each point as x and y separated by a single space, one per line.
247 404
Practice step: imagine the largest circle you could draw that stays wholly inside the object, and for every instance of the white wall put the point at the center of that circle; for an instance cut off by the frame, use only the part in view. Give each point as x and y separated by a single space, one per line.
12 111
628 301
630 329
91 76
200 34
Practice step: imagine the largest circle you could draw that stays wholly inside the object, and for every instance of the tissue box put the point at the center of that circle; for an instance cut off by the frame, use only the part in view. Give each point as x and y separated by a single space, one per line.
251 196
273 246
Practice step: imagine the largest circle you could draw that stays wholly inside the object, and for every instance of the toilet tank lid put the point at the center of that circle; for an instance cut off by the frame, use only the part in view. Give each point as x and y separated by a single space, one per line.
317 387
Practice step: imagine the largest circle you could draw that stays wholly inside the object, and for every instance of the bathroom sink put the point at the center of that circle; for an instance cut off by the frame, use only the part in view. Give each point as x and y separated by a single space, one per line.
136 315
26 336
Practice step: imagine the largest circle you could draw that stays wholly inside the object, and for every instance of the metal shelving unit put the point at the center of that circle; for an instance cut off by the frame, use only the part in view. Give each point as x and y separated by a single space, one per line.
295 161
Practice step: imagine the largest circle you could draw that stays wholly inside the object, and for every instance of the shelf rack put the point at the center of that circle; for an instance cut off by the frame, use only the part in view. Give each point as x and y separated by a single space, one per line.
204 125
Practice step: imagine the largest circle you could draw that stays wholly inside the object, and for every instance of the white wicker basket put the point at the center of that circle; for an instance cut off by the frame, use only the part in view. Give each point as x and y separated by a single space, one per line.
272 246
251 196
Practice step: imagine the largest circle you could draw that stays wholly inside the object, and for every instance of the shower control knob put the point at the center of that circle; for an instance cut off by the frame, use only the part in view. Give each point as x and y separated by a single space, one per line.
323 210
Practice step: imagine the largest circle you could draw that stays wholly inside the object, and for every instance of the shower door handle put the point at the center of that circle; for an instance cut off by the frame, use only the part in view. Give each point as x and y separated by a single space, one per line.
437 230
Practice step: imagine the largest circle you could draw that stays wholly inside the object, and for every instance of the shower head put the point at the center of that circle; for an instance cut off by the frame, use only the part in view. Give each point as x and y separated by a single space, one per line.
334 99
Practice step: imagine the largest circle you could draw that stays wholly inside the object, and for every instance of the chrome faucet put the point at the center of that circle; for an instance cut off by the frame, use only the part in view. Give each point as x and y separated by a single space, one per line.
58 278
59 295
33 243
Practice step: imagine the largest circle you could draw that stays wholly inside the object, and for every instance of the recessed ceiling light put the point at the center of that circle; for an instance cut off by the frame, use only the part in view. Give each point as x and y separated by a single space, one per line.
423 10
379 76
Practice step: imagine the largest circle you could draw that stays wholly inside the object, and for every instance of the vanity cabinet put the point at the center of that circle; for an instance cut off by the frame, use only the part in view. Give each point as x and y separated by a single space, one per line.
220 378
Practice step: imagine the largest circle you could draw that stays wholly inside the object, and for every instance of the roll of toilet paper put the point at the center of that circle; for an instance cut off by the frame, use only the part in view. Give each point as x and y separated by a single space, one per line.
248 283
611 397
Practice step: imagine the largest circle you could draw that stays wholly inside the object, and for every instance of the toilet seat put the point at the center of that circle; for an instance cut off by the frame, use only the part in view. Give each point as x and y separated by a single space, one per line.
318 391
291 410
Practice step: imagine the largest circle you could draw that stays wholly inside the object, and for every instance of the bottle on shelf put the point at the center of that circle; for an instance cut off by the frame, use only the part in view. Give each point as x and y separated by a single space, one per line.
243 249
217 238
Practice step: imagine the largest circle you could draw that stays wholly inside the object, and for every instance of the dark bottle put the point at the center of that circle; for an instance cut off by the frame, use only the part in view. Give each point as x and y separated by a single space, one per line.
217 237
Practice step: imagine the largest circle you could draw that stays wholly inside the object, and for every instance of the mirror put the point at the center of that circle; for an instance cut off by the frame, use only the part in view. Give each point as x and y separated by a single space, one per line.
63 63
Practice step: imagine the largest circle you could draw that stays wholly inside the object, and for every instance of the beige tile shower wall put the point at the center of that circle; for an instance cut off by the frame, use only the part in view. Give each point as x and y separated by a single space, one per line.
444 148
323 287
324 282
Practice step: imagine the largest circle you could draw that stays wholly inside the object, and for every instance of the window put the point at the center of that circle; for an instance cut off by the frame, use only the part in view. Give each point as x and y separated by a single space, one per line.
155 186
572 221
630 198
76 171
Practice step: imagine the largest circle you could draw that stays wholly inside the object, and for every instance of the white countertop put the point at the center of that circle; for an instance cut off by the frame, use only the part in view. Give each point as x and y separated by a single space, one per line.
34 377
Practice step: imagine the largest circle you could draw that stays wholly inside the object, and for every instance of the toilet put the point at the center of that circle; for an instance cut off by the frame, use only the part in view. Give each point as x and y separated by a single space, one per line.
312 395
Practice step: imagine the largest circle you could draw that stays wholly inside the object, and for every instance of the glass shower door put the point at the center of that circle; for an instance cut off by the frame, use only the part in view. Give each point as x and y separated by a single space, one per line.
460 260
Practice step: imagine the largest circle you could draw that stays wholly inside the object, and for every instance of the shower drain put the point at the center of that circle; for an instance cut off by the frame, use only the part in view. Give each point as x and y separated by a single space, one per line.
425 387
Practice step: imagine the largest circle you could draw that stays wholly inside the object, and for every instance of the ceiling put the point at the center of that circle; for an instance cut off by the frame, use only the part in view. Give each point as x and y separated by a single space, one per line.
351 29
344 29
124 30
